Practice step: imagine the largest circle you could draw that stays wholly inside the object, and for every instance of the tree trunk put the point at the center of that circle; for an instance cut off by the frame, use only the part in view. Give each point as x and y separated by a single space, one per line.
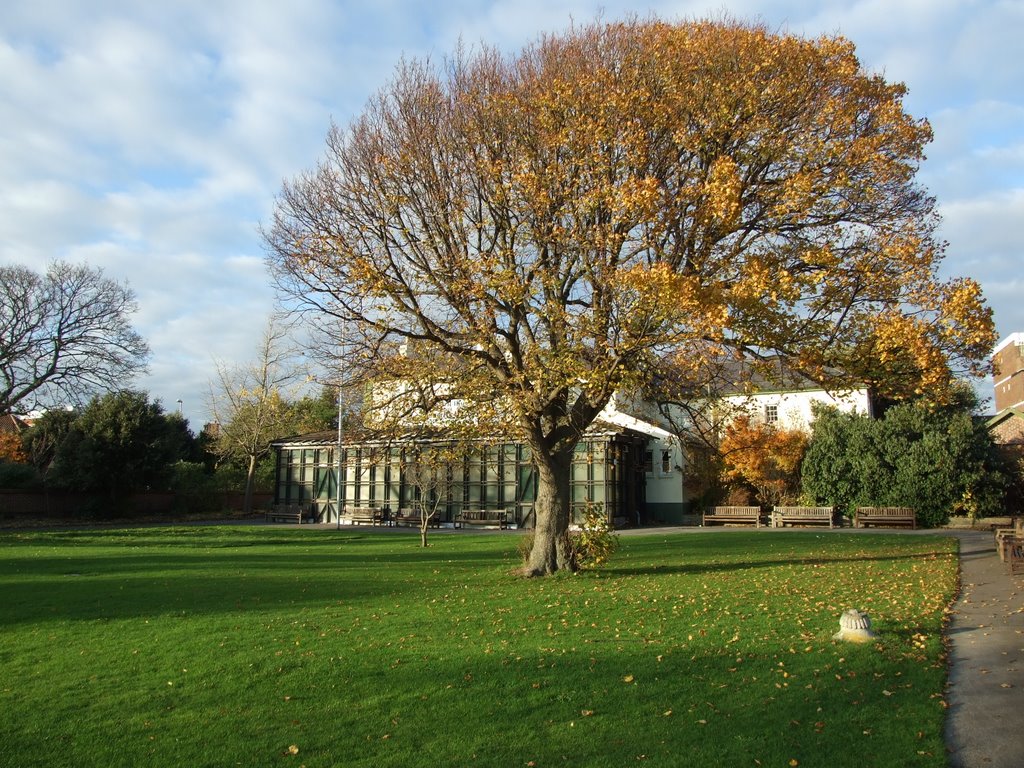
424 522
551 551
250 479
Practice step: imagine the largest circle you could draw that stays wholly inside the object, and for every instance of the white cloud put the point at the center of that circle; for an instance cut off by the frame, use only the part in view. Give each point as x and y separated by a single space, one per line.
151 138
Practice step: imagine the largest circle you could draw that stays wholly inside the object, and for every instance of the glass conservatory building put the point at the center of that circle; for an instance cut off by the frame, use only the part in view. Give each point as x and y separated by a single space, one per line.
608 468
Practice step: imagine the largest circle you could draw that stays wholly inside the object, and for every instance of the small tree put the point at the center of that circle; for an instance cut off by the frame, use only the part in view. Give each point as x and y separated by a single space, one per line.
248 405
427 469
764 456
64 336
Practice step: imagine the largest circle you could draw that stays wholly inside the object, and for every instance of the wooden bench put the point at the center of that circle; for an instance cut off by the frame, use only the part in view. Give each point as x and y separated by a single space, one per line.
286 513
367 515
783 516
733 516
892 517
1004 534
1014 553
409 516
482 517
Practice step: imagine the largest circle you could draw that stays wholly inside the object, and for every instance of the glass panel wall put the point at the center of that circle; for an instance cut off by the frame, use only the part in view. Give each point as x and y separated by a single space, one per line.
608 470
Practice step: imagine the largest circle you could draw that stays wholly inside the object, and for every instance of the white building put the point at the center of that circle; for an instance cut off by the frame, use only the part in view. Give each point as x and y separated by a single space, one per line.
631 460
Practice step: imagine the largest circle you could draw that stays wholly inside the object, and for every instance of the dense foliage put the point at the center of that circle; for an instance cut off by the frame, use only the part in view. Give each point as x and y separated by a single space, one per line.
121 443
939 460
765 457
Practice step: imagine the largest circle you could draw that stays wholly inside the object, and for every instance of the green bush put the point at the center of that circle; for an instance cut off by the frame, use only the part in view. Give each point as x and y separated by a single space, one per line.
939 460
18 476
195 487
595 541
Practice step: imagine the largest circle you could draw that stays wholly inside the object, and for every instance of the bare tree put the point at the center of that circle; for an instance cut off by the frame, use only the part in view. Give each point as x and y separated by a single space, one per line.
64 336
428 468
247 403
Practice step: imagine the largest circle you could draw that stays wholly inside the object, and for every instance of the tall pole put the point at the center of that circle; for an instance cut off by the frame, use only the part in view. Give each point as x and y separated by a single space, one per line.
341 414
341 464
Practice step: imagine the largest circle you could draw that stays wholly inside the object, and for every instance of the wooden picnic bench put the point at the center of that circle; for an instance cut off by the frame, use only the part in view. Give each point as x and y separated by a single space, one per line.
783 516
482 517
286 513
733 516
894 517
367 515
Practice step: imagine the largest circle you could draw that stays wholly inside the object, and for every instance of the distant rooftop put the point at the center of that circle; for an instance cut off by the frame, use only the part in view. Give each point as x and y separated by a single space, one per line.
1013 338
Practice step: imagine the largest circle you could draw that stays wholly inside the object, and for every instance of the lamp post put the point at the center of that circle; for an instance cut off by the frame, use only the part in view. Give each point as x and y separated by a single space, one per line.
341 463
341 414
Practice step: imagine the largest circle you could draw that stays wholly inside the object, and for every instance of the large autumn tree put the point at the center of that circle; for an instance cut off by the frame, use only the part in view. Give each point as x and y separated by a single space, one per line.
529 233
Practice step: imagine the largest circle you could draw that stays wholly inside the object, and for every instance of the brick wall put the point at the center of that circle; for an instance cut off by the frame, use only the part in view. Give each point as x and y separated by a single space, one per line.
1009 376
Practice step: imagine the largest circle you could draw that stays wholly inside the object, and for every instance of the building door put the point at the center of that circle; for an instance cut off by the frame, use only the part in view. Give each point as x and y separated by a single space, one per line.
325 494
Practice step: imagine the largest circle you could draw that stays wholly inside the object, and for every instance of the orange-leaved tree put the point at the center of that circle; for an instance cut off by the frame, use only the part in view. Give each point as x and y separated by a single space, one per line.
522 235
12 449
765 457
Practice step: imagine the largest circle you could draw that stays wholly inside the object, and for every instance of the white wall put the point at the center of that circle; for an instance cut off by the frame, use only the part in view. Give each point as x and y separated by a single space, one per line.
794 409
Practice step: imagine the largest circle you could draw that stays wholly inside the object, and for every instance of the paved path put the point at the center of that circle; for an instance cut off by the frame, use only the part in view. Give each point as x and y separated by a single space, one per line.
985 726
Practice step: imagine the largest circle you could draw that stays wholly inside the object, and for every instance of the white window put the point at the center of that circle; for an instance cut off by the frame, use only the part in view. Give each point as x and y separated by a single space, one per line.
771 414
666 461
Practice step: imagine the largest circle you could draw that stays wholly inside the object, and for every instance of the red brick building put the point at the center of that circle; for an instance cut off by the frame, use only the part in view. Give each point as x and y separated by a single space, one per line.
1008 359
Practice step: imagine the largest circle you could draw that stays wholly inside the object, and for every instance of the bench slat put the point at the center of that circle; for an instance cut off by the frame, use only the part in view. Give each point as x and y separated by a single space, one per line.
482 517
285 513
370 515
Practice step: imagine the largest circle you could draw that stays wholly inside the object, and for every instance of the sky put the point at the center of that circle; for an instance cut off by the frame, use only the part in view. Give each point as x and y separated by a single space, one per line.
150 138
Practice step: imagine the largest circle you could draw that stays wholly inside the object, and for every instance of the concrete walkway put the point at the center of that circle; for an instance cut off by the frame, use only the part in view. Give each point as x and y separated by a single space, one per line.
985 724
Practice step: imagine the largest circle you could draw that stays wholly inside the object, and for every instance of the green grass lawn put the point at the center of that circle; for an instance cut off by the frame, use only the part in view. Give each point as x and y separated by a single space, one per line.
261 646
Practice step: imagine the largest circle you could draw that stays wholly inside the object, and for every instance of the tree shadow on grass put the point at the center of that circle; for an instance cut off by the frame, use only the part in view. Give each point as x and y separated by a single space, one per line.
78 578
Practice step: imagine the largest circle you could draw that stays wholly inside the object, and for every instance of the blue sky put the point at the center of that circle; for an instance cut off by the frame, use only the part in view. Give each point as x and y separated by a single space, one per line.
150 139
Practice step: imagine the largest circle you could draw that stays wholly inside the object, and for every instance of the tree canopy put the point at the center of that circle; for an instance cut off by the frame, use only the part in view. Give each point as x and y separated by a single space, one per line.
537 231
119 443
64 336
